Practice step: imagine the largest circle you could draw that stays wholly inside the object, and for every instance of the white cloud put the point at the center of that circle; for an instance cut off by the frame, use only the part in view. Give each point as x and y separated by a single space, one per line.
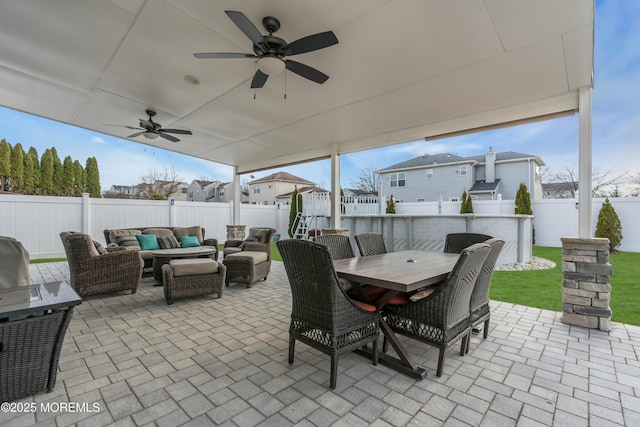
97 140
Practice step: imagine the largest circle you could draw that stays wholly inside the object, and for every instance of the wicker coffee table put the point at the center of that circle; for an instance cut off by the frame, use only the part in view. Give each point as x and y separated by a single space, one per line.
163 256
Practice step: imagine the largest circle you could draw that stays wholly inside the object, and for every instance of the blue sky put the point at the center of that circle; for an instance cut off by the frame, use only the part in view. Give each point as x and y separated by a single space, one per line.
616 127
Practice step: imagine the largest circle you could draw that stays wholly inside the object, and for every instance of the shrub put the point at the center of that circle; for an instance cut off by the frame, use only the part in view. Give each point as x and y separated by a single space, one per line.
523 201
609 225
391 206
467 204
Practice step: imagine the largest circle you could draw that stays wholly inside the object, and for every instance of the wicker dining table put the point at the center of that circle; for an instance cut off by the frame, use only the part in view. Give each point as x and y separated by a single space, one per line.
402 271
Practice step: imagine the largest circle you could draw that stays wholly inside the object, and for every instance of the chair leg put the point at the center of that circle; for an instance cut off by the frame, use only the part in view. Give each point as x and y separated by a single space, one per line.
485 331
465 344
292 347
440 362
385 344
375 352
334 371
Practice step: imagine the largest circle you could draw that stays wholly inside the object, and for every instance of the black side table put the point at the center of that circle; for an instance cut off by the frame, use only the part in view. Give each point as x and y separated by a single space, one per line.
33 323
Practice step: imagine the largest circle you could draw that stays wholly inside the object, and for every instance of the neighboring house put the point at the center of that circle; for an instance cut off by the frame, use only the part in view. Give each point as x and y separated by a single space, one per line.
285 199
485 177
202 191
225 193
265 190
119 192
559 190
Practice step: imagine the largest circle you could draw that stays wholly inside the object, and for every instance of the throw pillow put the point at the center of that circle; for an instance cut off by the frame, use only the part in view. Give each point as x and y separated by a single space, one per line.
101 249
148 242
189 241
168 242
129 242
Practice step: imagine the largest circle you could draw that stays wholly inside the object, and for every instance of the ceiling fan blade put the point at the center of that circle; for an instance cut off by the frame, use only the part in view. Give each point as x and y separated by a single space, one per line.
247 27
306 71
169 137
223 55
310 43
146 124
259 79
121 126
180 131
135 134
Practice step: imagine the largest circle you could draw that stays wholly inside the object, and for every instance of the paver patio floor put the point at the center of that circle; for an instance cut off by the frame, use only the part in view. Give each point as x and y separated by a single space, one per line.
205 361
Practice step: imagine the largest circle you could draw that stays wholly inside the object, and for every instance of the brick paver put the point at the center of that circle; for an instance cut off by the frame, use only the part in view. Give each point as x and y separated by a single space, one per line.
205 361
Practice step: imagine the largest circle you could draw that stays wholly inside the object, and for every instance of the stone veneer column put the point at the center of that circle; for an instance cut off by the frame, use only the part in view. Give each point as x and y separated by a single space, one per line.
586 290
235 232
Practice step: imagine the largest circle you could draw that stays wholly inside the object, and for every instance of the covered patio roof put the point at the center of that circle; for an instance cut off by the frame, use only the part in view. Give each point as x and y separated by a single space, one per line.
402 71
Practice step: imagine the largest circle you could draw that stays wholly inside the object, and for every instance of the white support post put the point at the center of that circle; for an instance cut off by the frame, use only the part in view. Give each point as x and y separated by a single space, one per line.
237 197
86 213
585 165
335 188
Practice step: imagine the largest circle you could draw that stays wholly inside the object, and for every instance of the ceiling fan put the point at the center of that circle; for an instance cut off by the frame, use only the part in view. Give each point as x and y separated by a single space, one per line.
271 51
151 130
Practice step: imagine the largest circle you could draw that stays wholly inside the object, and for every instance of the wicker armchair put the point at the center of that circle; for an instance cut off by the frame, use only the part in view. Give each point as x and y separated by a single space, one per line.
14 263
442 318
258 240
370 244
92 273
454 243
322 315
339 246
479 311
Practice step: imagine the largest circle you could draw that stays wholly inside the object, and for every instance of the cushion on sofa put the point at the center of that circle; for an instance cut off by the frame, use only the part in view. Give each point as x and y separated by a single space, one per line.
148 242
168 242
129 242
189 242
189 231
159 232
113 234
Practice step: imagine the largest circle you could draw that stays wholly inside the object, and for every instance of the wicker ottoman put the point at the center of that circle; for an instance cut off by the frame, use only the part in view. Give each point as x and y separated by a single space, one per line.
192 277
247 267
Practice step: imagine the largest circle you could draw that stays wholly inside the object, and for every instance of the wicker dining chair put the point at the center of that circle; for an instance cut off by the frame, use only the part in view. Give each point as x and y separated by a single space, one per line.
454 243
442 318
339 246
479 311
370 244
322 315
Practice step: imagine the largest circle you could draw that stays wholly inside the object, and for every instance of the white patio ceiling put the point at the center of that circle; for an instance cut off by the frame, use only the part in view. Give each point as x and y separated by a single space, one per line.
403 70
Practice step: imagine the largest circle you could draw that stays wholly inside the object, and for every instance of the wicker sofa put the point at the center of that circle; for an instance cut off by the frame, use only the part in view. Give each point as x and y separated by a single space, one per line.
111 238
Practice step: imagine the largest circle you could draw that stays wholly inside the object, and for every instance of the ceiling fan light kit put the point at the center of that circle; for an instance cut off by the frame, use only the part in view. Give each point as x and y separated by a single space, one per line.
271 51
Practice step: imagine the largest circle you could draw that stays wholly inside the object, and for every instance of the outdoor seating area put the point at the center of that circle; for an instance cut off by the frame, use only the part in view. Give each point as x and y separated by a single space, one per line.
207 361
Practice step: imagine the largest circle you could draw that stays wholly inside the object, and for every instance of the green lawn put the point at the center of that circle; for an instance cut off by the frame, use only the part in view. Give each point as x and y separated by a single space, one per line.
543 288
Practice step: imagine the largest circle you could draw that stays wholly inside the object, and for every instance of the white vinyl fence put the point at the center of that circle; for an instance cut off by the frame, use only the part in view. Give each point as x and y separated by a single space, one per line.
37 221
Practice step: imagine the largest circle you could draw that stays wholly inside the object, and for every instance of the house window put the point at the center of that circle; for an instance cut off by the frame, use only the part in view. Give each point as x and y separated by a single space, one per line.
256 189
464 170
420 200
398 179
454 199
184 190
429 173
221 192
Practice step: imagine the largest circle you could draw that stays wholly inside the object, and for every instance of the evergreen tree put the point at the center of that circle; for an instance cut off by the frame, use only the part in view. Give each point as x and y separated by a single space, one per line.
391 205
5 164
58 173
46 173
79 178
93 177
68 177
609 225
523 201
463 204
469 205
17 167
296 206
34 152
29 183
